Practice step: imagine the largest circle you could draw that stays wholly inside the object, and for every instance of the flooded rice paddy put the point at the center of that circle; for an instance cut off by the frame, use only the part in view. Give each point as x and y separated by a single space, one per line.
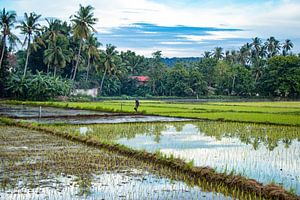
269 154
106 119
51 115
35 165
34 111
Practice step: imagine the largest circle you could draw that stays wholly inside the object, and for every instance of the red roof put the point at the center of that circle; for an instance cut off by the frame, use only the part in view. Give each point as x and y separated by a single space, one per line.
141 78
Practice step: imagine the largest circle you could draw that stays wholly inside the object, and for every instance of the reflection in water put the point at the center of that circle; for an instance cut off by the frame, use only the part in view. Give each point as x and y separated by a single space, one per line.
265 153
34 165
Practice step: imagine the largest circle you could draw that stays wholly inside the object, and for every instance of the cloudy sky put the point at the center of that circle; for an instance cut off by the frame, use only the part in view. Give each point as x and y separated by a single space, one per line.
178 27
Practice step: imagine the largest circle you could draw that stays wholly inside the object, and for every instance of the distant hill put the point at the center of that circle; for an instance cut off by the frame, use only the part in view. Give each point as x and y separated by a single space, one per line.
172 61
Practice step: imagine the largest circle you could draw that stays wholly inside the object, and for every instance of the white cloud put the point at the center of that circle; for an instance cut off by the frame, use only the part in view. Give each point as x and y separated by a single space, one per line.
114 13
280 19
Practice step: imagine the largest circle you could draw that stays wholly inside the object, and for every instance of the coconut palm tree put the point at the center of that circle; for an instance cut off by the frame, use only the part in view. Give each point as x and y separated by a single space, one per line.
207 54
91 47
218 53
30 28
7 20
109 56
287 46
272 46
244 54
53 29
57 53
257 45
83 22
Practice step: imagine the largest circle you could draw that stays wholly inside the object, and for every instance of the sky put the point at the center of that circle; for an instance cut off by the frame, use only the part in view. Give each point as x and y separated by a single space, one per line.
179 28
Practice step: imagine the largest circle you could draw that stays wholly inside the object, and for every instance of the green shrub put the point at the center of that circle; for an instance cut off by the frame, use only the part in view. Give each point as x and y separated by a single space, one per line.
37 87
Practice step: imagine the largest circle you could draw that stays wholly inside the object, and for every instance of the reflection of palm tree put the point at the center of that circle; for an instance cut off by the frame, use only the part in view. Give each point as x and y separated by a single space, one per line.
256 143
287 142
272 145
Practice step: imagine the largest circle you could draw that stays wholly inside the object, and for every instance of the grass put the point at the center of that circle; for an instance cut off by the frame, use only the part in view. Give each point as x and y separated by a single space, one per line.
282 113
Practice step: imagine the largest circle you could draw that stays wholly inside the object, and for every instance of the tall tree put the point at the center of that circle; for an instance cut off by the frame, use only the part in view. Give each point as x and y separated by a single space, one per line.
83 22
244 54
7 20
157 71
134 63
207 54
57 53
287 46
30 28
218 53
272 46
257 45
91 47
109 56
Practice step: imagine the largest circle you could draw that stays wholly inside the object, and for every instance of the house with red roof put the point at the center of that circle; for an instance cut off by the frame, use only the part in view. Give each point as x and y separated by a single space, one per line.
141 79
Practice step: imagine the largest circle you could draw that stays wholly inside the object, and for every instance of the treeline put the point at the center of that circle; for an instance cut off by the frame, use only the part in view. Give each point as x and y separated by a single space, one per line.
62 56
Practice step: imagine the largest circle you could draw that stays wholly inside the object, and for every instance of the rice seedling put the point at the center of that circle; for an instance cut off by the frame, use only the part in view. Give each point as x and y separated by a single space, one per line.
261 152
285 113
39 166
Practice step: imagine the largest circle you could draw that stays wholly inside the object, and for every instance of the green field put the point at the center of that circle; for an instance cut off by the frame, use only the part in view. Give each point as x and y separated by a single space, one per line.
287 113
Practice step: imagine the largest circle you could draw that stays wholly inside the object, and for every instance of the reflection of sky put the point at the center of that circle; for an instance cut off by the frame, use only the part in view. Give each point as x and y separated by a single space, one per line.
280 165
129 184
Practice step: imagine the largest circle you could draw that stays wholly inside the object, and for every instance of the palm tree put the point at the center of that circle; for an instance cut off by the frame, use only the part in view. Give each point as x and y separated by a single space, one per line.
53 30
30 28
234 56
83 22
272 46
7 20
57 53
109 55
257 44
91 47
287 46
132 62
207 54
218 53
244 54
228 57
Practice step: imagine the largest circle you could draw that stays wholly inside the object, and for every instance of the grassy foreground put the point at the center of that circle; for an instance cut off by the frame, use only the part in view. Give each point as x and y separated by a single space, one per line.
284 113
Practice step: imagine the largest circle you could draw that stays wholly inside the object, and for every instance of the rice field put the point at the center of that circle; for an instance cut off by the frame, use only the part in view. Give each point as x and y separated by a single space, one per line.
265 147
283 113
36 165
267 153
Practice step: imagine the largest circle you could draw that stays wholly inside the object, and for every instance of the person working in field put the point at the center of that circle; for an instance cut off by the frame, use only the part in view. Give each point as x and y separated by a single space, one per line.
137 104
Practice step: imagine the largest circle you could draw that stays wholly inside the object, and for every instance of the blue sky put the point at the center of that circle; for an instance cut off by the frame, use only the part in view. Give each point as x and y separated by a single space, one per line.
178 28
